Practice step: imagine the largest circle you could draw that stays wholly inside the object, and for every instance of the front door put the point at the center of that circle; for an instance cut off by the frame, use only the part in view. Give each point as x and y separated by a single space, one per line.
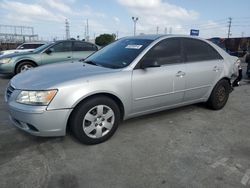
159 87
60 52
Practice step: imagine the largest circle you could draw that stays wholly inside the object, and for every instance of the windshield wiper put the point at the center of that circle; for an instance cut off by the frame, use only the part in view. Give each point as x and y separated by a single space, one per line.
91 63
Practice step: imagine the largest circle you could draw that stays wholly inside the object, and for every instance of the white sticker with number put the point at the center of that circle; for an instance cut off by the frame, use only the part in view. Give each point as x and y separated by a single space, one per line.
133 46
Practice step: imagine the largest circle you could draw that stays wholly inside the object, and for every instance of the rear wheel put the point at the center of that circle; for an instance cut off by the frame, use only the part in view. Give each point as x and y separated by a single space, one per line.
24 66
95 120
219 95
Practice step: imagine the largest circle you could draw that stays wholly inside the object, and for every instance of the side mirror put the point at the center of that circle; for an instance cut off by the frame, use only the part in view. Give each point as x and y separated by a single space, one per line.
49 51
149 63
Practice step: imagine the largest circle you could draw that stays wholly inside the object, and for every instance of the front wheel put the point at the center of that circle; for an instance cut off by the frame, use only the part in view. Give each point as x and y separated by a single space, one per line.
95 120
219 95
24 66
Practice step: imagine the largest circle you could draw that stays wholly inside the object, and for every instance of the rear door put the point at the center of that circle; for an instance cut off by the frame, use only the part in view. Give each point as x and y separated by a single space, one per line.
60 52
203 68
81 50
158 87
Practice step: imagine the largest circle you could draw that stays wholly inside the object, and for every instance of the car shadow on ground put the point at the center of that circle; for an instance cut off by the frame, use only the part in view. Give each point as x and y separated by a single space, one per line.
165 113
5 76
245 81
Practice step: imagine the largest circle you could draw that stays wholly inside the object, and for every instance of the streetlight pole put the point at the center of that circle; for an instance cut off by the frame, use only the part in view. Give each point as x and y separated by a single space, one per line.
135 19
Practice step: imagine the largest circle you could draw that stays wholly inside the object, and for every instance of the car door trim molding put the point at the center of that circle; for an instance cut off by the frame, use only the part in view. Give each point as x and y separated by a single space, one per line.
169 93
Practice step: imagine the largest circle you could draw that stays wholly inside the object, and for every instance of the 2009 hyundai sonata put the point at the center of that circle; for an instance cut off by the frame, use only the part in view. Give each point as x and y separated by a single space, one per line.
130 77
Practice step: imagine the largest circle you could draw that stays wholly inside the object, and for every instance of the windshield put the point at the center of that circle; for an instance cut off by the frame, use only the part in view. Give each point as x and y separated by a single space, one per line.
43 47
120 53
29 46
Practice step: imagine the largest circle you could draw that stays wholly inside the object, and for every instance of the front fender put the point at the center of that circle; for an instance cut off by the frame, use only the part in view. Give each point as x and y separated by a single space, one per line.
71 94
26 58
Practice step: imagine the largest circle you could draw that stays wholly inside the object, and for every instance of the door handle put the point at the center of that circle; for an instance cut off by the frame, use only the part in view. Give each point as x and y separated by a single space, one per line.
216 68
69 57
180 74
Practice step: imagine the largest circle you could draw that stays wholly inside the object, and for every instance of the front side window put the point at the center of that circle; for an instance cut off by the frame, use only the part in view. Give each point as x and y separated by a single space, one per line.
62 47
197 50
167 51
37 45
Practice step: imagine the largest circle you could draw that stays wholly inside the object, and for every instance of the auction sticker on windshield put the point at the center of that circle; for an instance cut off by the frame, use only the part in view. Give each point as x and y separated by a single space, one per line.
133 46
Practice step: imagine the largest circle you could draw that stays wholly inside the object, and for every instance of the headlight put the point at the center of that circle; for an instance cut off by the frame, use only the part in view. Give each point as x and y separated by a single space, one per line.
5 60
40 98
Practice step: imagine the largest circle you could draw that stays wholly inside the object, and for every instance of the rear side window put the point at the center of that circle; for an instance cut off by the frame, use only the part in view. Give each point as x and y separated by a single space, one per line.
63 47
196 50
84 46
37 45
25 46
165 52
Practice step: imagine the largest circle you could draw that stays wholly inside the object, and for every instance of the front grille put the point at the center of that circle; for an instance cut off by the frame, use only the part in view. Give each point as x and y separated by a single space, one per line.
9 91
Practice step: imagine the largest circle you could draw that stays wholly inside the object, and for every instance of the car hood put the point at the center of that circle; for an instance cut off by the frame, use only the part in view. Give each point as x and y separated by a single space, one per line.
16 51
14 54
50 76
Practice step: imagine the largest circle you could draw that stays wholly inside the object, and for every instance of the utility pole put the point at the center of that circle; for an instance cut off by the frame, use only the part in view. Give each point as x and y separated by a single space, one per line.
170 30
229 27
87 30
165 31
135 19
157 30
67 29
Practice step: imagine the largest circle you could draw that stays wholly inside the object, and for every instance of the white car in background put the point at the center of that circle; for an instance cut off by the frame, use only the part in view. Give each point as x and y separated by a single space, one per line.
25 47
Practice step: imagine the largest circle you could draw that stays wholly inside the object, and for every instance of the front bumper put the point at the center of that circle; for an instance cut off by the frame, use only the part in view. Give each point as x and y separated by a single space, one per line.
42 122
236 82
6 68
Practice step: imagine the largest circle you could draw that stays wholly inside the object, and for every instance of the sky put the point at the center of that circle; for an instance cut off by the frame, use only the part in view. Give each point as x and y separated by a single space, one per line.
115 16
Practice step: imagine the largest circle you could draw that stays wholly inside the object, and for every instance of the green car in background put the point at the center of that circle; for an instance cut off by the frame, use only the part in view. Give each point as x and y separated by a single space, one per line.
59 51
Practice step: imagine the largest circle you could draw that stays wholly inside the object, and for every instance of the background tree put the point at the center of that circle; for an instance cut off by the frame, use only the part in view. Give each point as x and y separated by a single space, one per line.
105 39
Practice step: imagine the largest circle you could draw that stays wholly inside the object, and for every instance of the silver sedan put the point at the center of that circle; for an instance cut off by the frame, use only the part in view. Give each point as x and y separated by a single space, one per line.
130 77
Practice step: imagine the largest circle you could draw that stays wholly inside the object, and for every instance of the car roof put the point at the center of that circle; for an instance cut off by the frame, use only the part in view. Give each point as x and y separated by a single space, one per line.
157 36
146 37
34 42
72 41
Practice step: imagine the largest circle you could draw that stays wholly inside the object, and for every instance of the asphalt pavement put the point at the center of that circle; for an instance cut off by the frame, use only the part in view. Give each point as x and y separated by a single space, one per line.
190 146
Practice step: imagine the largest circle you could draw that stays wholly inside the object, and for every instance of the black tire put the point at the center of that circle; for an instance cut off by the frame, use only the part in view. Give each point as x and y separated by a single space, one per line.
21 66
76 122
219 95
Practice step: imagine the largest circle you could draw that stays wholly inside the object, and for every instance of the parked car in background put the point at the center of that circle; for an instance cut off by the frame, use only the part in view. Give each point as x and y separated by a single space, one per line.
59 51
247 60
25 47
130 77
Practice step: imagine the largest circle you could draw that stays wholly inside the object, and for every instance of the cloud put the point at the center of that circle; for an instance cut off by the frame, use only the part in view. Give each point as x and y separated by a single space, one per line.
58 5
140 3
18 11
116 19
159 13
